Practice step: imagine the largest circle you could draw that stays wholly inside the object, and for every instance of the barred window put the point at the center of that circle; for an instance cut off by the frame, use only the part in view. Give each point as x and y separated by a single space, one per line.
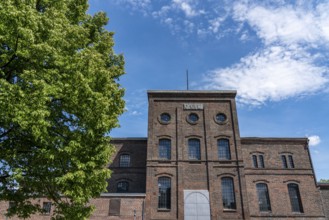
261 161
254 160
122 186
223 149
124 160
284 161
194 149
295 200
291 161
46 207
228 193
164 184
165 149
263 197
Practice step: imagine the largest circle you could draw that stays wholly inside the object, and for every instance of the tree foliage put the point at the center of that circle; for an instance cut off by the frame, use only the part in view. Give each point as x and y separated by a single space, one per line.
324 180
59 97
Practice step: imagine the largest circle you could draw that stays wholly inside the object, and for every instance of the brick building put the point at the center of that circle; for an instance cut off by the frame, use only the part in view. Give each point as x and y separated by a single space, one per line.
195 165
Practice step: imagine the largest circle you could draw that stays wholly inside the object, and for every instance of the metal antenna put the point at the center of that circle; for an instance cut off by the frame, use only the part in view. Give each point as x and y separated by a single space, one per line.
187 79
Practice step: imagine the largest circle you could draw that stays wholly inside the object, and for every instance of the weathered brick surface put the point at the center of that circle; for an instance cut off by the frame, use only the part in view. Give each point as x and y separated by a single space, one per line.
324 190
131 206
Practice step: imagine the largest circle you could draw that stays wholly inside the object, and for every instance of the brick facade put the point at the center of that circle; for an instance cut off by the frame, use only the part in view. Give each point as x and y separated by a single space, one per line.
209 171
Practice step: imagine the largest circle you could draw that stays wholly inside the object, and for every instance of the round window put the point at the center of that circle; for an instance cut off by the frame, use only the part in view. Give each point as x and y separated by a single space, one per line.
165 117
193 118
220 117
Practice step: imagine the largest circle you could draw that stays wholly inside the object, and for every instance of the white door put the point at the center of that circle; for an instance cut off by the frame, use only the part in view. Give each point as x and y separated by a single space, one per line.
196 205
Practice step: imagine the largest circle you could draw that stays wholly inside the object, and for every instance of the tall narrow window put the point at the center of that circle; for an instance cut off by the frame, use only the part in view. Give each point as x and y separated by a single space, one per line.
194 149
284 161
228 193
122 186
261 161
223 149
165 149
124 160
263 197
164 184
295 200
291 161
254 160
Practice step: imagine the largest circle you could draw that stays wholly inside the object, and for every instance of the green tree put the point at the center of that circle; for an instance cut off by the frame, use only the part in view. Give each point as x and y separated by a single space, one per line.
59 97
324 181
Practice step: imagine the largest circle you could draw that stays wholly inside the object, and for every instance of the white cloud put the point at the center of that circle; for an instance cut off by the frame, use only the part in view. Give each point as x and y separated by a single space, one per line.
186 7
288 25
314 140
274 73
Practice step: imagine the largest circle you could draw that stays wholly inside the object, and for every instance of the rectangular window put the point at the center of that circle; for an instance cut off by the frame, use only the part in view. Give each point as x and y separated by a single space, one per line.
228 196
194 149
284 161
261 161
223 146
291 161
46 207
164 198
263 197
295 200
124 160
254 160
165 149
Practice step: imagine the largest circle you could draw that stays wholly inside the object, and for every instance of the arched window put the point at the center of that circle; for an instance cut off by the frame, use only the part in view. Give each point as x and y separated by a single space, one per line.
122 186
261 161
284 161
223 149
124 160
164 184
194 149
228 193
263 197
295 200
165 149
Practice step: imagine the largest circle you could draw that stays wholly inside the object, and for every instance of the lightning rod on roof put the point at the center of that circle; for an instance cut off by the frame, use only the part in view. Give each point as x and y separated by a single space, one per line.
186 79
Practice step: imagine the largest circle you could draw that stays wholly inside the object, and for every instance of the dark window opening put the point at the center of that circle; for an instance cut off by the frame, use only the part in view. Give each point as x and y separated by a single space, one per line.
124 160
228 193
164 184
194 149
122 186
46 207
165 149
223 149
284 161
261 161
291 162
254 160
263 197
295 200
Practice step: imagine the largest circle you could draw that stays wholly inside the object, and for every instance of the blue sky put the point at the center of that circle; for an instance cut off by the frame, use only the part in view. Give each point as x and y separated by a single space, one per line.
274 53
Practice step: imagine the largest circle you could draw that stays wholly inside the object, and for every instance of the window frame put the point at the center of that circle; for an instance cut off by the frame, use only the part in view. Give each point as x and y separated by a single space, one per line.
124 162
294 188
164 151
126 186
223 150
228 193
164 198
284 161
263 196
194 151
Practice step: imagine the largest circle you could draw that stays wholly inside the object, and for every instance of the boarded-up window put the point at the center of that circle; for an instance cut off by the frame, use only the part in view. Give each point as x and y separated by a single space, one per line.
115 206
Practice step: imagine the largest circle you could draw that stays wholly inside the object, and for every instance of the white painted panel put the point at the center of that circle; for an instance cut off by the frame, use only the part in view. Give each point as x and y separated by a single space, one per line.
196 205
